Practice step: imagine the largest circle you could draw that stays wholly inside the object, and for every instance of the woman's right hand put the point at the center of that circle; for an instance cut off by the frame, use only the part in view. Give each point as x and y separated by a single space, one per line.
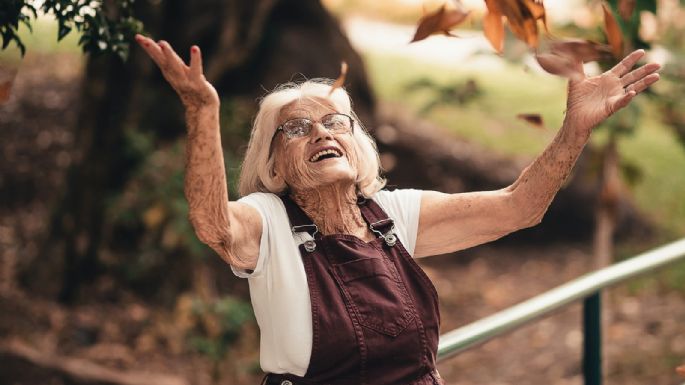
188 81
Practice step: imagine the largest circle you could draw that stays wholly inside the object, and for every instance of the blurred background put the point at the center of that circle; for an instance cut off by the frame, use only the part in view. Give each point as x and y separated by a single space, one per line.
102 280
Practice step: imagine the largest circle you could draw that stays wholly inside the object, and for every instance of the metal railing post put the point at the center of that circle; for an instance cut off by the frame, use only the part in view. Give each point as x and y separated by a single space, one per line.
592 339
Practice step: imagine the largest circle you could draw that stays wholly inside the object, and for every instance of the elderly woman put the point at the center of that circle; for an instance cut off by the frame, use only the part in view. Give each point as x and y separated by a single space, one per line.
329 255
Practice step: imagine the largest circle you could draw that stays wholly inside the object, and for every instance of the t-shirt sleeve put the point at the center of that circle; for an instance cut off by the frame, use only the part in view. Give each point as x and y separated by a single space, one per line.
261 202
403 206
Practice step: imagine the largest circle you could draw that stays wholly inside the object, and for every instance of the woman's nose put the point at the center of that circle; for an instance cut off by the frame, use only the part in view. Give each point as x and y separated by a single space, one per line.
319 132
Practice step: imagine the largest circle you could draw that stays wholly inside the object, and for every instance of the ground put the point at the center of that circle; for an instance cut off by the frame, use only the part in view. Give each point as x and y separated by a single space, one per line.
645 339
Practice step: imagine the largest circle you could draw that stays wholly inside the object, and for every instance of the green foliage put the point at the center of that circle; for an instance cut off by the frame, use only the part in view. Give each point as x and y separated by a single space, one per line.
104 26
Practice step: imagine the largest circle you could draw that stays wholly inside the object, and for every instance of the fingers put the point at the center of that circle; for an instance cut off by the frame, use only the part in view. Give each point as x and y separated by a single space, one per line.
195 62
627 63
639 73
642 84
172 59
152 49
624 100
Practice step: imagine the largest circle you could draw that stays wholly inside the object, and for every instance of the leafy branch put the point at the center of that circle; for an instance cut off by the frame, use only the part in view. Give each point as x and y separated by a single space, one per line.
105 26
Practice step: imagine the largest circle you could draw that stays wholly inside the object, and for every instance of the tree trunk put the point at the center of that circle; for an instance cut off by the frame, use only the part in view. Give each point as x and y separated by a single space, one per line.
247 46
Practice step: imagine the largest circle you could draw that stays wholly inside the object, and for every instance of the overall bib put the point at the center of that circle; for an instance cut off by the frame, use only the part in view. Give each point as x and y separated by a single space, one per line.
375 314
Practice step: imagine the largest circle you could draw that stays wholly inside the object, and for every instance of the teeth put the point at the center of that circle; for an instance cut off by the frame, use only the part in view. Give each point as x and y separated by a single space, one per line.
319 154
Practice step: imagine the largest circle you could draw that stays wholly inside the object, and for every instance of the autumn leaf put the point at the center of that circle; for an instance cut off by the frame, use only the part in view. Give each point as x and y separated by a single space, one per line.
613 32
680 370
340 81
441 21
534 119
522 16
626 8
565 57
562 65
583 50
493 26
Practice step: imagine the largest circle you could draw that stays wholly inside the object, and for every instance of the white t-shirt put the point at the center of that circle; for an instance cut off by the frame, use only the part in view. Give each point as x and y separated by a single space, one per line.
278 285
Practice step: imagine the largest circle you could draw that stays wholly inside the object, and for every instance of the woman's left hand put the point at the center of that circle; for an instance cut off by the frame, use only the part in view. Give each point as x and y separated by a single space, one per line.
593 99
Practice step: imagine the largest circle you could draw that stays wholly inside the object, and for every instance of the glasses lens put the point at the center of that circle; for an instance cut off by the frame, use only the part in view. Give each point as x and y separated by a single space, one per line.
297 127
337 122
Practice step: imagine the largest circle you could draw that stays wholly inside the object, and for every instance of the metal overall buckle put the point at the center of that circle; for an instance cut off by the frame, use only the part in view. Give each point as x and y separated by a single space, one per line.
389 237
309 244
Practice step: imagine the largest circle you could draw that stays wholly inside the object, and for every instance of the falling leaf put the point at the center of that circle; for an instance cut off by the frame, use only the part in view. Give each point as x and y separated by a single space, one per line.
533 119
613 32
562 65
522 16
565 57
493 26
680 370
441 21
340 81
626 8
583 50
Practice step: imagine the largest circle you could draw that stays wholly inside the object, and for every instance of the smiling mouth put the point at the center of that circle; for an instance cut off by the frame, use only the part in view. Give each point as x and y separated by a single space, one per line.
326 154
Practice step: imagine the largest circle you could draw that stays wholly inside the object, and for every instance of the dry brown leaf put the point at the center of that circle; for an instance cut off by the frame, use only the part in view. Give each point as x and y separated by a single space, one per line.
534 119
613 32
493 26
441 21
538 11
680 370
340 81
626 8
565 57
583 50
562 65
521 19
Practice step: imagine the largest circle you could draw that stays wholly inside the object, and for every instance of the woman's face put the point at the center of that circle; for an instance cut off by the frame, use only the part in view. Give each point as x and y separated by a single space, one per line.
299 161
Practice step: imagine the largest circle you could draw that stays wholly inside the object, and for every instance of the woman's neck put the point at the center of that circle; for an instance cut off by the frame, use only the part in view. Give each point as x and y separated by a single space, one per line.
333 208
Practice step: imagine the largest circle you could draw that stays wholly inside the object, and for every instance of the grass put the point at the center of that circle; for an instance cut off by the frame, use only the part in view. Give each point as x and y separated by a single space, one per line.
490 121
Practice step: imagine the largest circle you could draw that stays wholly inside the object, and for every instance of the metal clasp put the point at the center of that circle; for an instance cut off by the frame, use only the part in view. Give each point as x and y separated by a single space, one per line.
389 237
310 244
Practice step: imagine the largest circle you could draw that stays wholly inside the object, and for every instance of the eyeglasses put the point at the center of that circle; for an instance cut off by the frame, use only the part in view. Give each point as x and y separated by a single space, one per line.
299 127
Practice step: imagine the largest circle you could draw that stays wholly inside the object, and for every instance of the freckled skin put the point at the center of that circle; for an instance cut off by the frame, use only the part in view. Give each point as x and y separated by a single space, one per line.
326 189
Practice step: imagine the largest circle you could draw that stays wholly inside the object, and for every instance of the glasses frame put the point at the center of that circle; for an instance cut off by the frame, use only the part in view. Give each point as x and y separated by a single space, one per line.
280 128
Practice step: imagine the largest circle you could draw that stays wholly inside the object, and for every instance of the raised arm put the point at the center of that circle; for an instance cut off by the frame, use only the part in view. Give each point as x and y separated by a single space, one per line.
451 222
231 229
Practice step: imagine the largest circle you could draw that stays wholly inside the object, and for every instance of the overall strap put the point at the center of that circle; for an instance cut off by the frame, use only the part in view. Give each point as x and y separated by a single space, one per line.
375 216
379 222
299 220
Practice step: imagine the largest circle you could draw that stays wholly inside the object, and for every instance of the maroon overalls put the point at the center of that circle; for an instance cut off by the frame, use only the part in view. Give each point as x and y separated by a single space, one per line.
375 313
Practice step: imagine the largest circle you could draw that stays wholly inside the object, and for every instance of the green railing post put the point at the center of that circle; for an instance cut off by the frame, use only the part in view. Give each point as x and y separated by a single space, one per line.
592 339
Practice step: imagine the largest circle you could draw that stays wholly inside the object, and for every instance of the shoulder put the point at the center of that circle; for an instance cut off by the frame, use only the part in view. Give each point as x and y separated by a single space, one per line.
399 200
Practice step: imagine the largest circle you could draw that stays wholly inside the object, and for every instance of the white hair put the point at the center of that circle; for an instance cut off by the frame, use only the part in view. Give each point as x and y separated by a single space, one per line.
257 172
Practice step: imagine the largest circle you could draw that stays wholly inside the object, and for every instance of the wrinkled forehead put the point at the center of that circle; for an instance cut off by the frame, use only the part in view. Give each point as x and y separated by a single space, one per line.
308 107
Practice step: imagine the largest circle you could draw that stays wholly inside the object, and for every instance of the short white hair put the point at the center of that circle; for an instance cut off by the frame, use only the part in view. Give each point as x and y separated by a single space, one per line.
257 171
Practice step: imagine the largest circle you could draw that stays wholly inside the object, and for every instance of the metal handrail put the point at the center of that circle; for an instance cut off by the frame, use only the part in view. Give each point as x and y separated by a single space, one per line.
476 333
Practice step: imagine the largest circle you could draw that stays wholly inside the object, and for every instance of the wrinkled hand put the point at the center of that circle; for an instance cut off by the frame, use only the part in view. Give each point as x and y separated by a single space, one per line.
188 81
592 100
